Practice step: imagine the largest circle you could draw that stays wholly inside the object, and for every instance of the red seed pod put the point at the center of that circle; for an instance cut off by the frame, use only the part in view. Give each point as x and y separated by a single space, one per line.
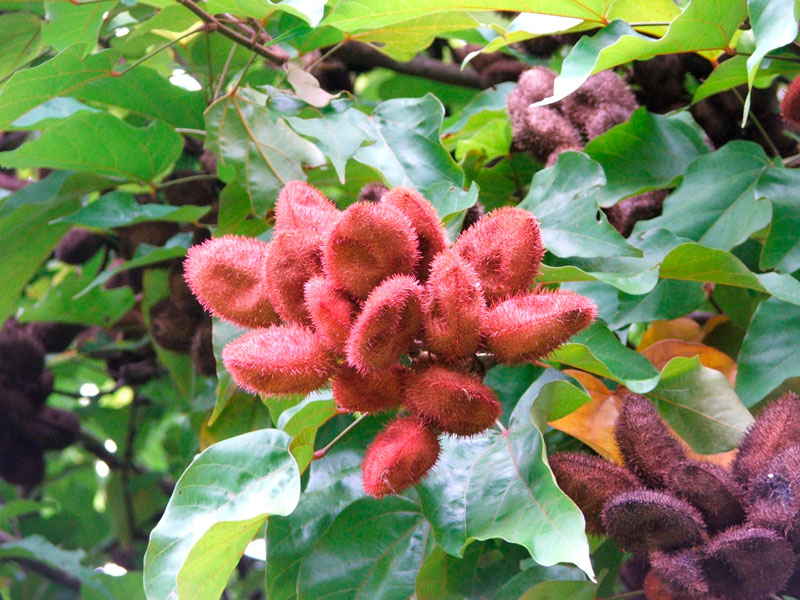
451 401
590 482
293 257
227 276
371 242
528 327
369 393
790 105
453 306
710 489
388 325
331 312
303 207
431 236
399 457
284 359
505 249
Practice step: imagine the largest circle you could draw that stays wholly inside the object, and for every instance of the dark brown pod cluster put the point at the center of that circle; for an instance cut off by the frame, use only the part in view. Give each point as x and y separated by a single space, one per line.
78 246
376 299
701 530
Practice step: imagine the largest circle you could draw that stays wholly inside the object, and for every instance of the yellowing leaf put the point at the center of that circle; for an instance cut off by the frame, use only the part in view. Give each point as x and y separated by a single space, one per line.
684 328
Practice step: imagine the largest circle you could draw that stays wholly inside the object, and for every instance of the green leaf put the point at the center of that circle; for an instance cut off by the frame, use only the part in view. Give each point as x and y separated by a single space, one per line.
582 229
670 299
37 548
243 413
219 502
314 411
782 247
700 405
51 113
92 143
560 398
22 42
492 100
69 23
728 75
770 353
102 586
574 590
519 584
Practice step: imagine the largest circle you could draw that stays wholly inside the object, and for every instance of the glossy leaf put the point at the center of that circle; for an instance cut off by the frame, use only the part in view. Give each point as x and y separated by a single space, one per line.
314 411
69 23
575 590
782 246
23 44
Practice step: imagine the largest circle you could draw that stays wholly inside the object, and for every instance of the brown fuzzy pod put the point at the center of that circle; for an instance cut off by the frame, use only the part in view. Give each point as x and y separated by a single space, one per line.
202 350
171 327
646 520
451 401
371 392
399 457
78 246
790 105
180 293
676 576
590 482
55 337
545 133
293 257
331 312
648 447
52 428
602 101
775 494
534 84
21 462
372 192
710 489
302 207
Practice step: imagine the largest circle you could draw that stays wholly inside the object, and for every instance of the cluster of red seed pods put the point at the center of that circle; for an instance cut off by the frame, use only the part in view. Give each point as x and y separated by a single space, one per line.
376 299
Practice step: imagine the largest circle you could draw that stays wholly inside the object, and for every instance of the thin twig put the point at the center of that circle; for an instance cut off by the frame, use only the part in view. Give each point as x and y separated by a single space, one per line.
190 131
324 56
757 123
127 466
171 182
224 72
770 56
44 569
320 453
151 54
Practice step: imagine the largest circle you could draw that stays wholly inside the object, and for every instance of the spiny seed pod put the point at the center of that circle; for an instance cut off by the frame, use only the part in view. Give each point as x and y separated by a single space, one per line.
154 233
179 292
171 327
626 213
775 494
505 249
284 359
528 327
502 70
197 192
202 350
647 446
370 243
590 482
451 401
303 207
372 192
711 489
16 405
21 359
227 275
55 337
645 520
293 257
676 576
790 105
52 429
78 246
600 103
369 393
747 563
534 84
431 236
21 462
453 307
331 312
388 325
774 429
545 133
473 214
399 457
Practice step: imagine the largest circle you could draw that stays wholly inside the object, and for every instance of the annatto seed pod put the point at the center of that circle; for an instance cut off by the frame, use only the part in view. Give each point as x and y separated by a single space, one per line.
388 325
55 337
293 257
590 482
451 401
78 246
21 462
502 70
331 312
525 328
399 457
303 207
646 520
453 306
505 249
790 105
372 192
21 359
202 350
774 429
676 576
710 489
431 236
171 327
600 103
227 275
179 292
155 233
369 393
747 563
775 494
545 133
370 243
534 84
198 192
52 428
278 360
649 449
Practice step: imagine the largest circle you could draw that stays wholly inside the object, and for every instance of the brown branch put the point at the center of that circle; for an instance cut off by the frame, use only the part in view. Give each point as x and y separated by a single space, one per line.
42 568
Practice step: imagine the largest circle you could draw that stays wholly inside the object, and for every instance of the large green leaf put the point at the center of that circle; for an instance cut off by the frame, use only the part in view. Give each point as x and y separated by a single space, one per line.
22 43
782 246
574 590
73 23
670 299
220 501
770 352
733 72
522 582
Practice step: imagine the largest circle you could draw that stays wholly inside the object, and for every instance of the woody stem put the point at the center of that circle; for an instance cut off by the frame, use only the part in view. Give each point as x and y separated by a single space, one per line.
323 451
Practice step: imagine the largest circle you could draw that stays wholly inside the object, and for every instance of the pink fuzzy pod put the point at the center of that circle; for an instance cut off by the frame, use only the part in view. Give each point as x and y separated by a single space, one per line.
331 312
431 236
371 242
451 401
286 359
453 307
790 105
303 207
227 276
371 392
388 325
293 257
399 457
505 249
525 328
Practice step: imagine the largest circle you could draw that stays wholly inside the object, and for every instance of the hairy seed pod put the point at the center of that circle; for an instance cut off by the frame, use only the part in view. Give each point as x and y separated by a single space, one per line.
197 192
371 392
180 293
647 446
775 494
602 101
202 350
774 429
710 489
747 563
371 242
473 214
545 133
388 325
525 328
453 306
646 520
372 192
331 312
632 573
52 428
293 257
790 105
431 236
451 401
505 249
534 84
590 482
171 327
676 576
21 462
502 70
55 337
78 246
154 233
227 275
21 358
302 207
399 457
284 359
